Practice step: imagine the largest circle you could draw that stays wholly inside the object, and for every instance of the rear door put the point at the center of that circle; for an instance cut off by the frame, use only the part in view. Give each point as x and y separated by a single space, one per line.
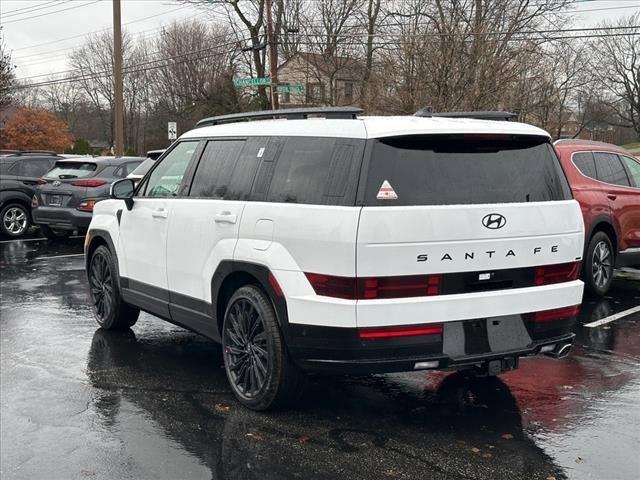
479 204
143 229
623 197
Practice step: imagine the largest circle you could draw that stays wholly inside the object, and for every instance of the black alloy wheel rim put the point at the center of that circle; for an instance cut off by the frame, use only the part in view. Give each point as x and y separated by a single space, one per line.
245 348
601 266
101 284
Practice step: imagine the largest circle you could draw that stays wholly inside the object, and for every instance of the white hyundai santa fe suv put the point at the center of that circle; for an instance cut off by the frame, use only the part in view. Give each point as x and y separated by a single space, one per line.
346 244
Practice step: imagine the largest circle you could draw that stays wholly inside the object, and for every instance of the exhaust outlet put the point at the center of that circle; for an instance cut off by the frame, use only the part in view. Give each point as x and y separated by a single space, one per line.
561 351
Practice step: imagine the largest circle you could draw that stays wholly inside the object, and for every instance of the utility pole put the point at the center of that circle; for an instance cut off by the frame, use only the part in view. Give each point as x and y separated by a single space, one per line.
118 124
273 56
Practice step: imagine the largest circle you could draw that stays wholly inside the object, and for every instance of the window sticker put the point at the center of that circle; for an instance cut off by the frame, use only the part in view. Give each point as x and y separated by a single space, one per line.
386 192
260 152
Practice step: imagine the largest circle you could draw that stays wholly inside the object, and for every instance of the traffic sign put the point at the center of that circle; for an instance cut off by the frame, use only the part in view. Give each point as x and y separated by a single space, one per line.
172 130
252 82
294 88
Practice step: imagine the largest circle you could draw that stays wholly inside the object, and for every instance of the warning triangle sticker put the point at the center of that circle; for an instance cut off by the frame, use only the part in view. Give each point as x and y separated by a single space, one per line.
386 192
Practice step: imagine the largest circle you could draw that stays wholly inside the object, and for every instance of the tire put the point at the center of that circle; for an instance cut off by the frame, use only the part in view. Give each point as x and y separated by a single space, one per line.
52 234
110 311
258 367
598 265
15 220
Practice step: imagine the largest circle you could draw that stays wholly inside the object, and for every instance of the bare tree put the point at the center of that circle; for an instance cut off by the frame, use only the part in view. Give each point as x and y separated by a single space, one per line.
7 75
616 65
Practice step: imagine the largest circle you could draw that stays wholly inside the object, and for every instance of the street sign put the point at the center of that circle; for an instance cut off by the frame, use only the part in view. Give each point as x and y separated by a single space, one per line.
172 130
252 82
294 88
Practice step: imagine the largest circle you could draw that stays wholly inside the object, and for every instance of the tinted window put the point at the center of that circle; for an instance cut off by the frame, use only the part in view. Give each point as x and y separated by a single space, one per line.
610 169
72 170
125 169
316 171
585 163
34 167
633 166
244 173
167 176
215 169
464 169
8 167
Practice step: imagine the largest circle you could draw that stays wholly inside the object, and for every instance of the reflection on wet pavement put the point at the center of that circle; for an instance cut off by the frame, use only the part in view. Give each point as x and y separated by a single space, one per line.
80 402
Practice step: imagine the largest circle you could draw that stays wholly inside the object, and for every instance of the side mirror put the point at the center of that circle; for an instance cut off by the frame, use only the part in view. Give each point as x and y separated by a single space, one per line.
123 190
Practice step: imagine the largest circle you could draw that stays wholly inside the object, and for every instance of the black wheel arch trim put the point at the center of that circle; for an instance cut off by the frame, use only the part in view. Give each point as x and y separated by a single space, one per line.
261 273
98 234
595 224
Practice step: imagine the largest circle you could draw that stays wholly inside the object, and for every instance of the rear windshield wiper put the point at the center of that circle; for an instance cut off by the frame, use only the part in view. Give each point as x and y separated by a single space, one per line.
65 176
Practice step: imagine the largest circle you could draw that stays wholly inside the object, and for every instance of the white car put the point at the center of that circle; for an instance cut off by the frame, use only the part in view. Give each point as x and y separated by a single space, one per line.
346 244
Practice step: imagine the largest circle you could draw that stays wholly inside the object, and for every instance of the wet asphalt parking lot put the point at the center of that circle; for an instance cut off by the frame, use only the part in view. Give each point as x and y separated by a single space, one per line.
153 402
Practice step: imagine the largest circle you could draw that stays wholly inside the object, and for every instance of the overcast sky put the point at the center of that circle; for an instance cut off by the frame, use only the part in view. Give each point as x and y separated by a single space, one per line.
34 30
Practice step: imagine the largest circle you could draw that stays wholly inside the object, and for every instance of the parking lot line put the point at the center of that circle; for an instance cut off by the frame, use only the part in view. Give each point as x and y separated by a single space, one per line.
613 317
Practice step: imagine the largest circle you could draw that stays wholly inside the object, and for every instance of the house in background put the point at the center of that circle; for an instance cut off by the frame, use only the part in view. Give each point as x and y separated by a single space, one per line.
327 80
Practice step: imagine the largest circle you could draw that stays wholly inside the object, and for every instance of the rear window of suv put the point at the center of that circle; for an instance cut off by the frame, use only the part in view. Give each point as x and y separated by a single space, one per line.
464 169
64 170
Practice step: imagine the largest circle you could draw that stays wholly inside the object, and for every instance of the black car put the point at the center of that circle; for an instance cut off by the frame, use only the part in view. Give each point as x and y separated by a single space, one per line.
64 199
19 174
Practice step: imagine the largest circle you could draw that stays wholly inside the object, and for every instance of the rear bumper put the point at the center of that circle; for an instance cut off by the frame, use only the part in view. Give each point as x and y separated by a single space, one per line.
61 218
337 350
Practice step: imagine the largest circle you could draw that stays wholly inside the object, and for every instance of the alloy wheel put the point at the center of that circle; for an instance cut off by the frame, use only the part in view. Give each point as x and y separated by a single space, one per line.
245 348
101 284
601 266
15 221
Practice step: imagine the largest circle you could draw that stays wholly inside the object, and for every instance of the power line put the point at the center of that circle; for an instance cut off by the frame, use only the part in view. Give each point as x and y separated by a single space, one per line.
50 13
32 8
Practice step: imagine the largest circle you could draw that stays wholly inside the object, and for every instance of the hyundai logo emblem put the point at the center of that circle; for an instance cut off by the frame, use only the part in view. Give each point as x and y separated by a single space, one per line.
56 183
494 221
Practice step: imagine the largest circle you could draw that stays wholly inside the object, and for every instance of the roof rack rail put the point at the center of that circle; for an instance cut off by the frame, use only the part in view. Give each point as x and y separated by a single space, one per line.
19 153
288 113
480 115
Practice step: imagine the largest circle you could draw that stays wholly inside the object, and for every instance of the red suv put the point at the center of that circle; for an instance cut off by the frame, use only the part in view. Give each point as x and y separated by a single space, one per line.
605 179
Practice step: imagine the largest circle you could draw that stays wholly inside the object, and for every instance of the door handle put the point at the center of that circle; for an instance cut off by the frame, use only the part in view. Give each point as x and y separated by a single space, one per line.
159 213
611 196
226 217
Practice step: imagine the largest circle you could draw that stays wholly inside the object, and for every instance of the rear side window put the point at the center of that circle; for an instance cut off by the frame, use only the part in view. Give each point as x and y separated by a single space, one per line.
633 166
464 169
215 169
585 163
610 169
322 171
34 167
64 170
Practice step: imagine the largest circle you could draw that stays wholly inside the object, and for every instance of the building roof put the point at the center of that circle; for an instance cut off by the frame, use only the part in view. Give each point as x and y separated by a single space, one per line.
364 127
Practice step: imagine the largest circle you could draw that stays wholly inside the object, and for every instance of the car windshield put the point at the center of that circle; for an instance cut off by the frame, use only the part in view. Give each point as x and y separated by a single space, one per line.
142 169
64 170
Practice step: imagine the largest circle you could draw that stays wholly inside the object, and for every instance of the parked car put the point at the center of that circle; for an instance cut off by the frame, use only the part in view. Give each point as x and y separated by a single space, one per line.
346 244
19 173
65 196
155 154
605 179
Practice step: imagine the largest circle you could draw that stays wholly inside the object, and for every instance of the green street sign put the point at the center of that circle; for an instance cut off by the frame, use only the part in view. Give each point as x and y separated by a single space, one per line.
252 82
295 88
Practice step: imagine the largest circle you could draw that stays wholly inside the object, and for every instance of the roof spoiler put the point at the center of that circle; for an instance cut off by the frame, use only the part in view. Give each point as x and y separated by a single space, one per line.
480 115
288 113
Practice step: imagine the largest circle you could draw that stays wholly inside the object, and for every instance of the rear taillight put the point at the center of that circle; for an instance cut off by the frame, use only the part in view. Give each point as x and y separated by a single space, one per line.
399 287
41 181
559 273
86 206
371 288
34 202
89 182
333 286
556 314
402 331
